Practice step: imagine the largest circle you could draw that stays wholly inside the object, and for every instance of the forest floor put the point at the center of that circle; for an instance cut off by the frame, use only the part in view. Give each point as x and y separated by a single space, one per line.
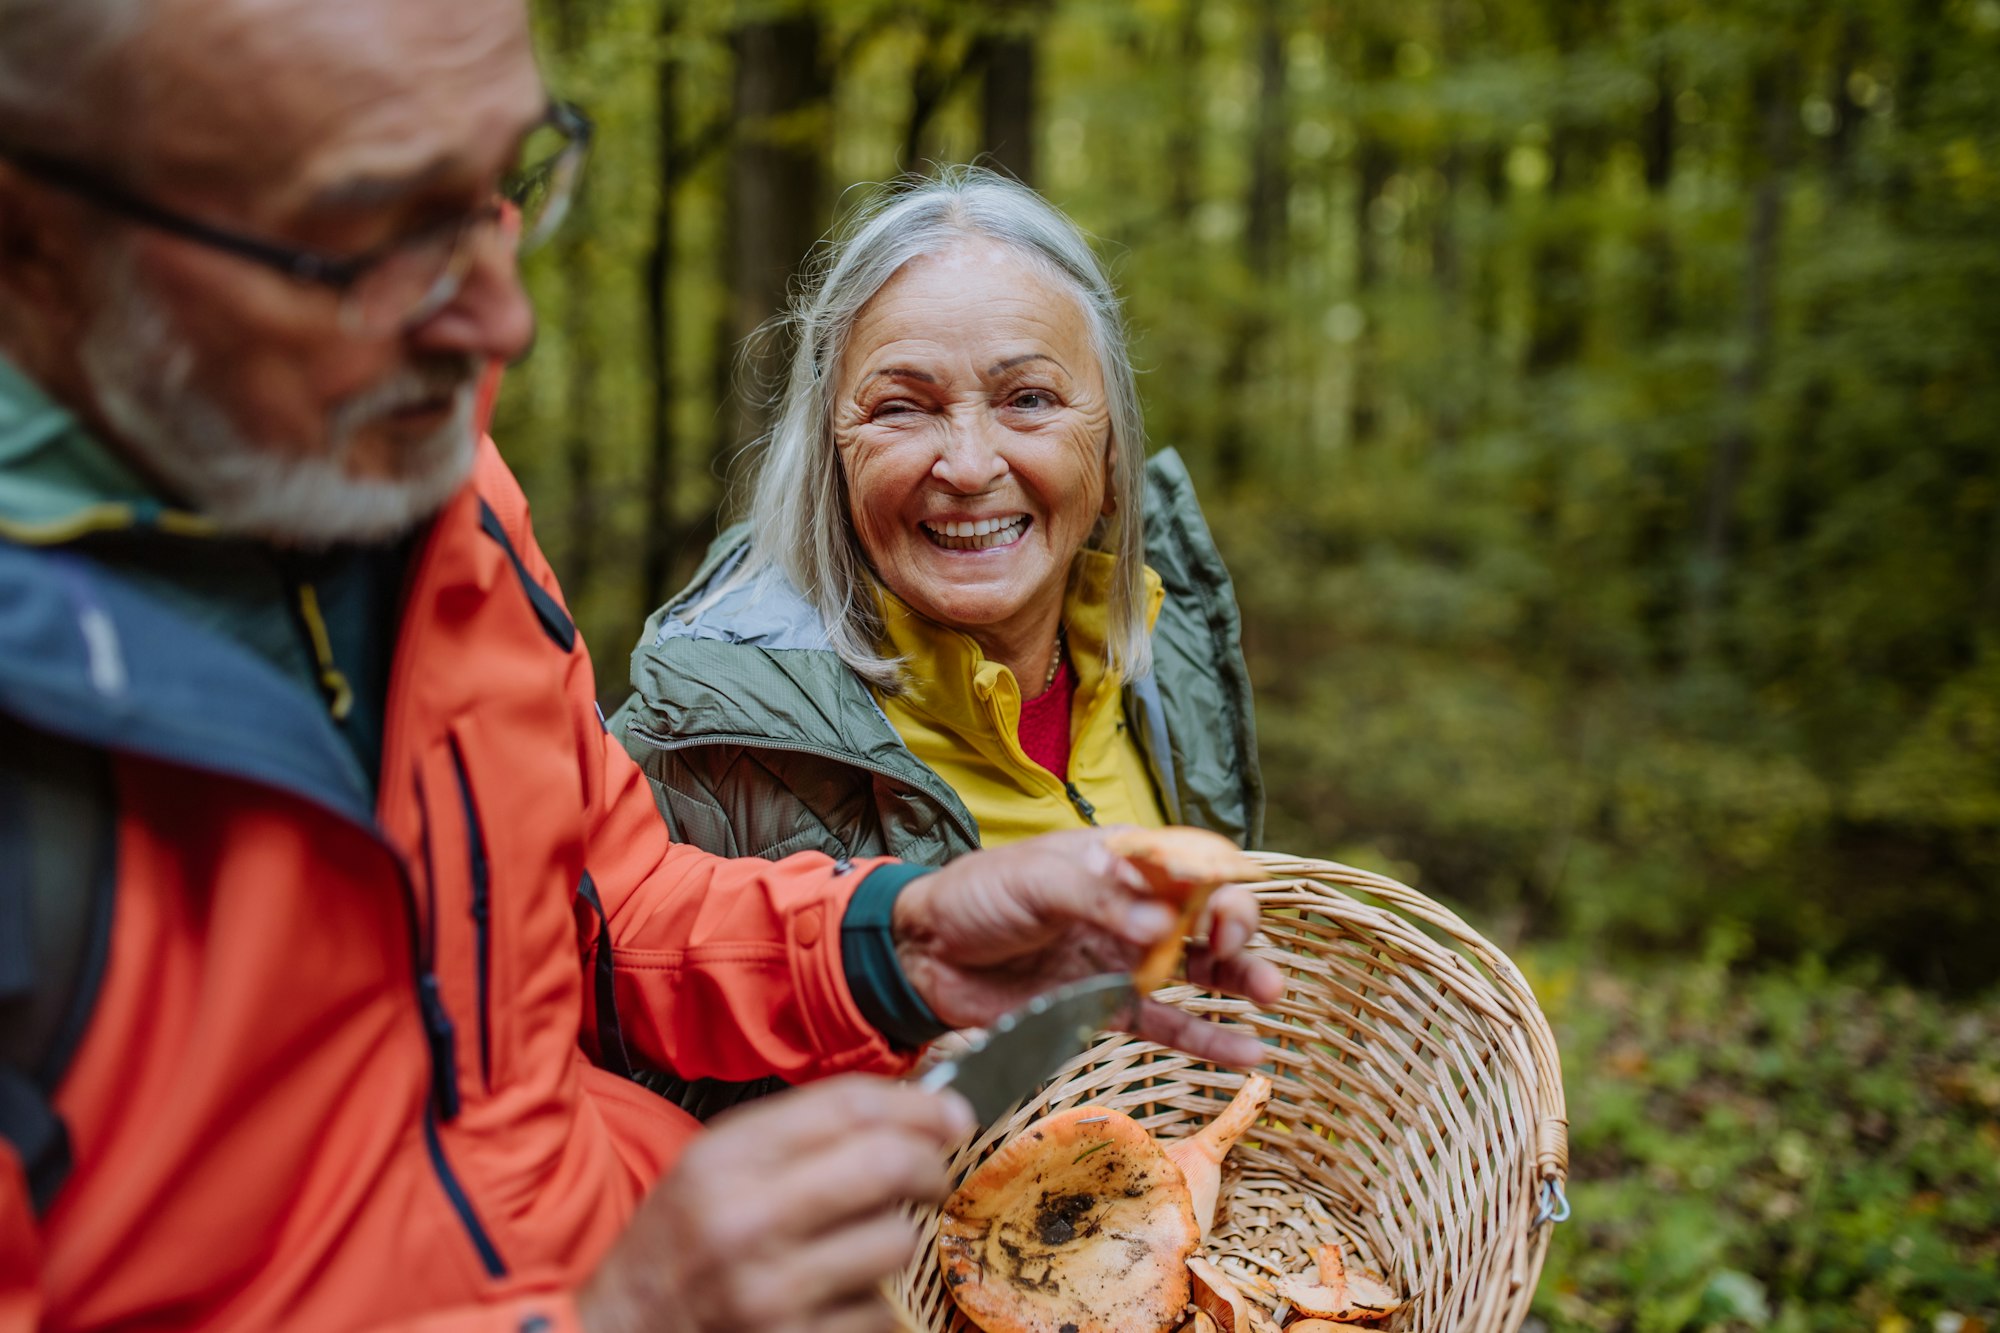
1772 1149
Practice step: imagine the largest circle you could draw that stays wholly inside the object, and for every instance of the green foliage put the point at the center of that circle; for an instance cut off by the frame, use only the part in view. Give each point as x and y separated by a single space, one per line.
1599 405
1785 1150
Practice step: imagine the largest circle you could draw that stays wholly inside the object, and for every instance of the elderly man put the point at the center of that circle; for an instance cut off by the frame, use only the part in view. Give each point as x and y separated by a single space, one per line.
329 915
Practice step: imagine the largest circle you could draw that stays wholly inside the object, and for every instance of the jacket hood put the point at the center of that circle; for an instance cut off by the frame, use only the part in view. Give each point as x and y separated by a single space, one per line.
765 611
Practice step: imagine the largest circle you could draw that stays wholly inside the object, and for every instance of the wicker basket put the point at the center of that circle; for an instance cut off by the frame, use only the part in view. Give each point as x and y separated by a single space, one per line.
1418 1108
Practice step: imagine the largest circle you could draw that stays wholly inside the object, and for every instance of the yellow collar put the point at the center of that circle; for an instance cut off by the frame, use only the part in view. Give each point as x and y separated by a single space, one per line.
950 680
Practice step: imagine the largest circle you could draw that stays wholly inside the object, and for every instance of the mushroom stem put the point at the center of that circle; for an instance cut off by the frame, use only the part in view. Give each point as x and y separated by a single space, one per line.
1199 1156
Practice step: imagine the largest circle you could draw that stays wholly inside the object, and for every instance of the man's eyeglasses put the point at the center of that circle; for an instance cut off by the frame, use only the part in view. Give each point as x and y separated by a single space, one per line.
396 284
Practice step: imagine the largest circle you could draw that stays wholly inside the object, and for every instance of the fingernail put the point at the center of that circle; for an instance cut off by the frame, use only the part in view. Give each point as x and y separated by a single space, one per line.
1146 922
1230 936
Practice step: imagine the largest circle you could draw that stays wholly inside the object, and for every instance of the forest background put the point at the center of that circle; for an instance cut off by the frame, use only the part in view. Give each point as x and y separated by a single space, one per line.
1598 403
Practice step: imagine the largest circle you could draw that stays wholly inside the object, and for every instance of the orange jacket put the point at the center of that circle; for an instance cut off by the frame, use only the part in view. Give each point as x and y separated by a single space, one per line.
337 1072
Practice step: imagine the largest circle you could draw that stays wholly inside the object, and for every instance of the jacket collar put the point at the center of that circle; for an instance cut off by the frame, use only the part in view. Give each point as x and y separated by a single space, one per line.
87 655
949 680
59 482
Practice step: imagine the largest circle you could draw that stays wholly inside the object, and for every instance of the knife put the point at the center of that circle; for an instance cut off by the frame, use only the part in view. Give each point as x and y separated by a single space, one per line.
1023 1049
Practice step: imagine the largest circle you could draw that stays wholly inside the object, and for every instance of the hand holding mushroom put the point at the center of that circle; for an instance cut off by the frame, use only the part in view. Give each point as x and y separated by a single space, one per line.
992 931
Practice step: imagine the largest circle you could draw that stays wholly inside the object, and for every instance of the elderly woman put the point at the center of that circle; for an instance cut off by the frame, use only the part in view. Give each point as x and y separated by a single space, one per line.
965 609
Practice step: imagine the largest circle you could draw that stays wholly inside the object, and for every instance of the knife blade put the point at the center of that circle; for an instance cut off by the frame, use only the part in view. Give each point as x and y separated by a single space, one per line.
1023 1049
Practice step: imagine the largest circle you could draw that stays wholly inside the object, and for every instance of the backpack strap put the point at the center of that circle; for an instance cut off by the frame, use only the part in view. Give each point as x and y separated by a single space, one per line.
58 841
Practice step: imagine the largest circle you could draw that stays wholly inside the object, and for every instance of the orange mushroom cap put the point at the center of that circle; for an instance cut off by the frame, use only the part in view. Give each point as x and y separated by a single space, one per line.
1081 1224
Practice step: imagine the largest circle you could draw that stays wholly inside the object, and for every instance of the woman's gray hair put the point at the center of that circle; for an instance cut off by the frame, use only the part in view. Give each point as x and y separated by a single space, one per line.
800 522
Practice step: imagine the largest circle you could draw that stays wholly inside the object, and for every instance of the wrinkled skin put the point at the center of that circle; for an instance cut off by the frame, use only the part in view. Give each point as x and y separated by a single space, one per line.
325 127
970 390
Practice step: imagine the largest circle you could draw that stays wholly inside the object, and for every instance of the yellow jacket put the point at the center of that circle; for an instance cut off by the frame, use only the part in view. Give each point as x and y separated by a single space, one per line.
960 714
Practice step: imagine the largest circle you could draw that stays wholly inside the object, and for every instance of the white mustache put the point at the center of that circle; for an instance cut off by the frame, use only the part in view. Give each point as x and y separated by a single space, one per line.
409 387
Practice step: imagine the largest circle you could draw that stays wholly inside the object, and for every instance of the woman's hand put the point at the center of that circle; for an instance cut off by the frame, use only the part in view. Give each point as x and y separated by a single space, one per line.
992 930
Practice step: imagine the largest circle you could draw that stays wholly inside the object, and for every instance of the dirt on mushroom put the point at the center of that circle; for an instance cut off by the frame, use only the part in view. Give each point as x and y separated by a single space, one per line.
1080 1225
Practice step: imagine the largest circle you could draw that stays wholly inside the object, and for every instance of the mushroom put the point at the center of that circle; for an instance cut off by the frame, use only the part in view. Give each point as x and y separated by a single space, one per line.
1199 1156
1217 1297
1182 866
1080 1225
1338 1296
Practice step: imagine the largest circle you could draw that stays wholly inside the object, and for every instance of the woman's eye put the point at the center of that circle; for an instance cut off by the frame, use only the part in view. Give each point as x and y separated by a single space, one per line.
1031 400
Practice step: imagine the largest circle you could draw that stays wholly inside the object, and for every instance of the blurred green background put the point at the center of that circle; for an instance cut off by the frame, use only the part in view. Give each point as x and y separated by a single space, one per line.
1598 403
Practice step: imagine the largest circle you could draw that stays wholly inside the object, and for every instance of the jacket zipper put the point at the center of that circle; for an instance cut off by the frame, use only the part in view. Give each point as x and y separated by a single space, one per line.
1083 807
482 911
654 739
437 1023
440 1036
439 1031
496 1267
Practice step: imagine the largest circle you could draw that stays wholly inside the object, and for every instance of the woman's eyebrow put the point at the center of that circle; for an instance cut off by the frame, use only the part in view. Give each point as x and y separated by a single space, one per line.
902 373
1002 367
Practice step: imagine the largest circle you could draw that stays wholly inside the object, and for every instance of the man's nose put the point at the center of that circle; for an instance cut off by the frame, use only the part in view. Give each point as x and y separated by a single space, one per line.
490 317
970 458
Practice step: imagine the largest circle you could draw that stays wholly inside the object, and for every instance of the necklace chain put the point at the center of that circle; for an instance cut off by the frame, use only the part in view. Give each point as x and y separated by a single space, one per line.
1055 660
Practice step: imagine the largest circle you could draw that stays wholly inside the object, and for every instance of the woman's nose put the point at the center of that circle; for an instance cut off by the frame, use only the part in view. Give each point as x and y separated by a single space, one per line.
969 457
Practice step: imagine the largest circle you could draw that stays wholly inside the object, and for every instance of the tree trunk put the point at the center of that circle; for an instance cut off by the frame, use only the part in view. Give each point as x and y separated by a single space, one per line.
579 439
659 535
1772 95
1007 102
1657 305
1374 163
931 81
1263 248
775 210
1184 143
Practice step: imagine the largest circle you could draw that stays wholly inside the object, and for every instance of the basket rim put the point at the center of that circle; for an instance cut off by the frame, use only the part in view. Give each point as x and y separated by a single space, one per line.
1453 960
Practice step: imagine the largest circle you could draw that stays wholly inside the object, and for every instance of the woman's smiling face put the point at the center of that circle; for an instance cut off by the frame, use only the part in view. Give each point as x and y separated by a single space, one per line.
973 426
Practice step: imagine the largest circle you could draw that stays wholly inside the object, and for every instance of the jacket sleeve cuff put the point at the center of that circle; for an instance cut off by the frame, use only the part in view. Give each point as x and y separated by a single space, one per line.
868 956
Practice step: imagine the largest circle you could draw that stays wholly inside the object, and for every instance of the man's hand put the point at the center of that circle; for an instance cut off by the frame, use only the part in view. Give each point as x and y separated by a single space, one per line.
994 929
783 1217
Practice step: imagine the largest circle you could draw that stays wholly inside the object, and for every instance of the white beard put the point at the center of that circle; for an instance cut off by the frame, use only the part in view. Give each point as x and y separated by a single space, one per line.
142 374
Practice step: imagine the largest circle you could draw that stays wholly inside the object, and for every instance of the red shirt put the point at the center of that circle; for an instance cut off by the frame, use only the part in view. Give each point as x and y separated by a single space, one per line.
1045 723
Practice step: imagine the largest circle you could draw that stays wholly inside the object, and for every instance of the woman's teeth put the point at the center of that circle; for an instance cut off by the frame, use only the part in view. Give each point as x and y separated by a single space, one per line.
976 534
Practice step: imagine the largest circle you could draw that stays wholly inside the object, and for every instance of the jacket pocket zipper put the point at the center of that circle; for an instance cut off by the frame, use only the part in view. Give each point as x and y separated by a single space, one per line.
482 912
489 1256
438 1036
